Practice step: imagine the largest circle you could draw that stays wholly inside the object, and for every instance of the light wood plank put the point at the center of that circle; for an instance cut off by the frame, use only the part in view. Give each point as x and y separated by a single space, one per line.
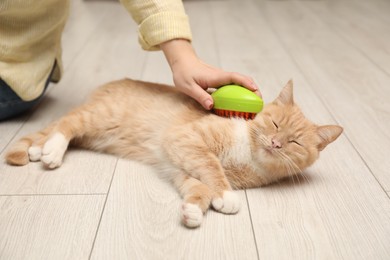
9 129
82 172
204 30
331 215
339 204
85 20
360 27
378 8
353 89
141 221
156 69
48 227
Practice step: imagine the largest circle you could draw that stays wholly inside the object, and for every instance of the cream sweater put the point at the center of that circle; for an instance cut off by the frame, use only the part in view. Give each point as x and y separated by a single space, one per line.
30 37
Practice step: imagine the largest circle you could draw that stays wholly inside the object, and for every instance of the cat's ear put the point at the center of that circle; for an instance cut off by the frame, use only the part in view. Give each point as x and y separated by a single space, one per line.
327 134
286 96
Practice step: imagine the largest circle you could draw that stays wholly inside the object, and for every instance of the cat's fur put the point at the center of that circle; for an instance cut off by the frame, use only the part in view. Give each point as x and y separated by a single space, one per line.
203 155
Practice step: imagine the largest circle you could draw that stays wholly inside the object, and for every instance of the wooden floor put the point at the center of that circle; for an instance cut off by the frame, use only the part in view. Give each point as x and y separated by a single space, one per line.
98 207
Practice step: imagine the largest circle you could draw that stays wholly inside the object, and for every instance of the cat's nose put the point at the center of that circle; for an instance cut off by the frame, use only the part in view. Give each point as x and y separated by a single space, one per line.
276 143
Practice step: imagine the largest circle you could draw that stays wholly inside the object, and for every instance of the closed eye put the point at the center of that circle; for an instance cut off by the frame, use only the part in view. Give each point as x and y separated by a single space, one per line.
275 124
295 142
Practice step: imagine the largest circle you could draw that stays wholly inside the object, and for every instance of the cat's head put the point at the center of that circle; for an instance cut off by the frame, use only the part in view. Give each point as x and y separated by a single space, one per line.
287 142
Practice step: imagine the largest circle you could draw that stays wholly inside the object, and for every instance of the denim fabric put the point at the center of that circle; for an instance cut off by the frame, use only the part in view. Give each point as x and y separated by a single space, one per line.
12 105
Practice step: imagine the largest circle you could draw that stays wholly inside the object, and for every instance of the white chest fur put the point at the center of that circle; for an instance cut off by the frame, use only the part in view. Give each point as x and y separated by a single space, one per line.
240 152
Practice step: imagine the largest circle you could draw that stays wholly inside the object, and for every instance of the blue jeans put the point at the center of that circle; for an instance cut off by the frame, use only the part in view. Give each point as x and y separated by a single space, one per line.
12 105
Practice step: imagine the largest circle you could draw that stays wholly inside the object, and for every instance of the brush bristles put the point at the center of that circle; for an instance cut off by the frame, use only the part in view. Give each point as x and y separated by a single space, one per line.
230 113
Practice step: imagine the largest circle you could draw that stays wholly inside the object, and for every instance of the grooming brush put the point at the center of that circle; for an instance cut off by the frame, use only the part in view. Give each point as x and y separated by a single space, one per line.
236 101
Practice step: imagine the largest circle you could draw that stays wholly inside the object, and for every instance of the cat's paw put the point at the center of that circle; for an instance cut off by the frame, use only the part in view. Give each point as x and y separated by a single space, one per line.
53 151
229 203
35 153
191 215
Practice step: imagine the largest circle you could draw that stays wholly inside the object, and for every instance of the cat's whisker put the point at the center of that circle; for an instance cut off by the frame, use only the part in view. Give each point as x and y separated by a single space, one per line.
305 177
263 139
293 164
300 174
292 168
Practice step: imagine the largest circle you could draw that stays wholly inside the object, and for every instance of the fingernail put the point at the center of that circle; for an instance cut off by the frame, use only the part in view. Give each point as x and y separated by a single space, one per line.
209 104
253 85
258 93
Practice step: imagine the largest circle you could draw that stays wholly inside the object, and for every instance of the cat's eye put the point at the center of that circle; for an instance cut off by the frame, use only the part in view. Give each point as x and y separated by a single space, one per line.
295 142
275 124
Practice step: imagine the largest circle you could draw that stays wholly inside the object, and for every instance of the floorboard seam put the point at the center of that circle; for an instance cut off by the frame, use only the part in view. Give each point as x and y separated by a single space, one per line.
103 209
251 221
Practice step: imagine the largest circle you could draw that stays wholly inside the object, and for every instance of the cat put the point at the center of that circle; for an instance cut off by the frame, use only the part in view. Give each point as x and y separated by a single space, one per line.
205 156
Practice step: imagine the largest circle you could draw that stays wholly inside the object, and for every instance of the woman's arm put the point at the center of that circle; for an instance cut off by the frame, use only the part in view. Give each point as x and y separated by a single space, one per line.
164 25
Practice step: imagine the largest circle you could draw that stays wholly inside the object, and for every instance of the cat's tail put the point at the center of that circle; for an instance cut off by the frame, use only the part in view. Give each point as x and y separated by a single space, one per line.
18 153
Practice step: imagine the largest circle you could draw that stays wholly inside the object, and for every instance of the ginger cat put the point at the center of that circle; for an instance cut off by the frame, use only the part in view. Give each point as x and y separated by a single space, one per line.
203 155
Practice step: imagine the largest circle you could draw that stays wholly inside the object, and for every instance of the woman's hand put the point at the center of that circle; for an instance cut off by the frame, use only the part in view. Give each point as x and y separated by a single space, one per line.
192 76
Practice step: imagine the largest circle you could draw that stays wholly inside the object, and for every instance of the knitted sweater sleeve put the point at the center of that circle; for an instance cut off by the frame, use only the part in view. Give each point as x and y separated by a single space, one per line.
158 21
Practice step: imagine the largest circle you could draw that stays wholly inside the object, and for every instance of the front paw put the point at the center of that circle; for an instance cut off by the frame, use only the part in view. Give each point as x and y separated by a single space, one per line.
229 203
35 153
191 215
53 151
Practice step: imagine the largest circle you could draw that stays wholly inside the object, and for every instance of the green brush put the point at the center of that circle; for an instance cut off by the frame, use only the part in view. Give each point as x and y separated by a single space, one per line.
236 101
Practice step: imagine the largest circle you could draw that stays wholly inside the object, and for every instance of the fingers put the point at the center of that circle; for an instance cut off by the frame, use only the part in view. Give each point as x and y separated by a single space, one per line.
242 80
236 78
245 81
200 95
257 92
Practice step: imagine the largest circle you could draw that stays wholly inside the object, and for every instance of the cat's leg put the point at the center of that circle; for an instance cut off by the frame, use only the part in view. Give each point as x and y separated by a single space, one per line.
189 152
50 144
54 150
74 124
196 199
35 149
28 148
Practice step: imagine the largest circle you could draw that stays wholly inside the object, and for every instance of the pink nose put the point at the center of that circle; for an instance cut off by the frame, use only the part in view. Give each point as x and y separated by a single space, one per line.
276 143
